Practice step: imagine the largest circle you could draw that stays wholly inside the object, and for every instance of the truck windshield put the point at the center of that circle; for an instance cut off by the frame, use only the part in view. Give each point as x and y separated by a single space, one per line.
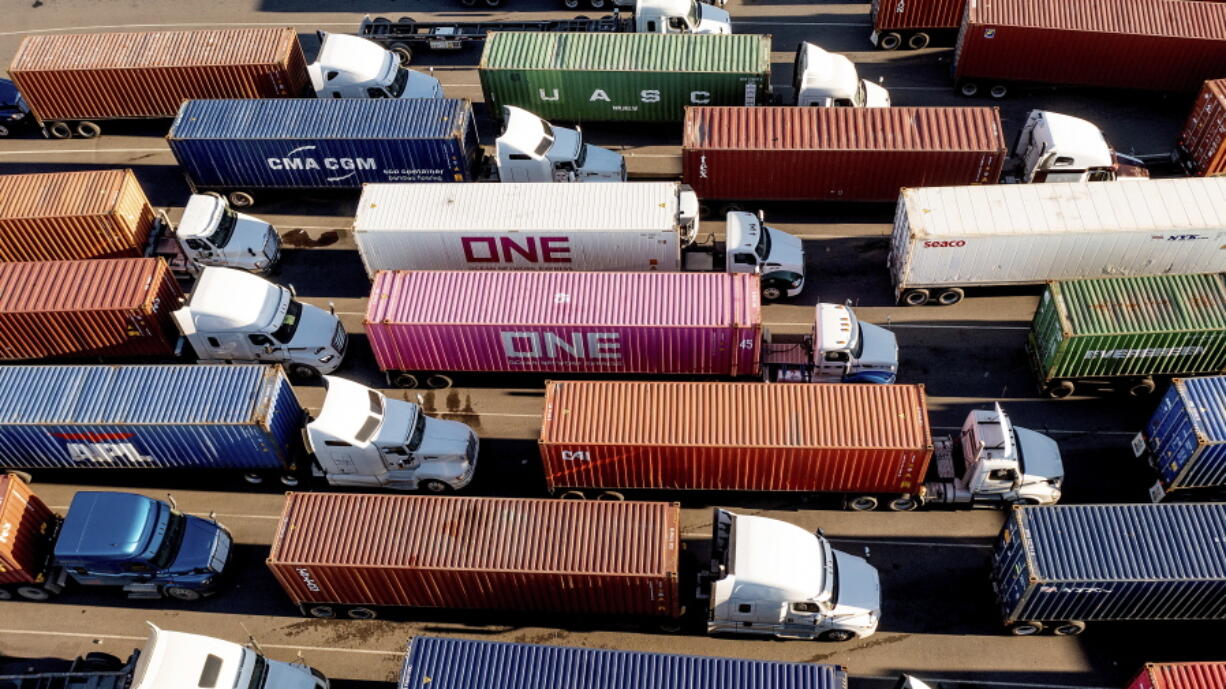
861 95
259 673
289 325
399 84
546 140
225 228
763 249
419 431
176 526
695 14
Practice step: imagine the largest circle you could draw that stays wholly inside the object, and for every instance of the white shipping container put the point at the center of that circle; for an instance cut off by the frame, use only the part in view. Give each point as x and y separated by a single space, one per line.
631 226
1016 234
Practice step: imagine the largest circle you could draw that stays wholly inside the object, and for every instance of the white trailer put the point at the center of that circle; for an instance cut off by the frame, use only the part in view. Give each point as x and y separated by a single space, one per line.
948 238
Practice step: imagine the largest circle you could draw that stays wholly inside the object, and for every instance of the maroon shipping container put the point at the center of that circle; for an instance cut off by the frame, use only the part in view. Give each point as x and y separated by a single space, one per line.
335 551
735 436
1181 676
101 307
1157 45
1202 144
27 526
101 76
837 154
915 22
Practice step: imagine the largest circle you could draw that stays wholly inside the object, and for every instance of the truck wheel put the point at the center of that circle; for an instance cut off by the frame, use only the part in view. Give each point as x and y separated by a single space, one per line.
360 613
705 211
468 3
435 486
88 130
33 592
493 3
919 41
405 380
903 504
1143 387
573 495
1070 628
889 41
253 479
59 130
863 503
240 199
998 91
5 131
727 208
951 296
837 635
772 293
302 372
439 381
915 297
571 4
1061 389
6 594
969 89
289 480
611 496
323 612
180 593
101 662
1027 628
597 4
403 51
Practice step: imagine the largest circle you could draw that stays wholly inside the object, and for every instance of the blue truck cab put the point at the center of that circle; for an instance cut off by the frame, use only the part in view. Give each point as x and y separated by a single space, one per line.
145 546
14 113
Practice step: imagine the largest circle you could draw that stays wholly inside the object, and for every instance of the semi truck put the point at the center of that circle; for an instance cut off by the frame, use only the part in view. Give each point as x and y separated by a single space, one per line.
166 658
427 326
824 79
144 547
1183 441
583 559
645 226
948 239
870 445
1127 333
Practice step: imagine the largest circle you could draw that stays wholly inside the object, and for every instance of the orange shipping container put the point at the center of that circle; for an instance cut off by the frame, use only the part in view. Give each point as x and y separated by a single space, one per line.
1202 144
116 307
735 436
100 76
1211 675
27 527
60 216
336 552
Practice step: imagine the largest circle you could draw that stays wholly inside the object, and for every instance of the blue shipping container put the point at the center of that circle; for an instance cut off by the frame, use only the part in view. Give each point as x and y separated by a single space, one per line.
460 664
1112 562
182 416
1186 436
307 143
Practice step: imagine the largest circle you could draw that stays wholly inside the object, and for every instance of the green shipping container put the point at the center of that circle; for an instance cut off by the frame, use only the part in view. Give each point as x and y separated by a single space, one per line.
1134 327
607 77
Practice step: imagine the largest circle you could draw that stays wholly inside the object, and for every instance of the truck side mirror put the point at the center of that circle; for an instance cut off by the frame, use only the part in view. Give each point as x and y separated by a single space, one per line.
268 349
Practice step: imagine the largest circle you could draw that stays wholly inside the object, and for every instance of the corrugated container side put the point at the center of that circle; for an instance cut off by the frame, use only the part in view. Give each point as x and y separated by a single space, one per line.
62 216
103 307
1112 562
1210 675
638 77
530 321
324 143
1187 434
464 664
889 15
735 436
479 553
1202 143
194 416
1140 326
149 74
837 154
1160 45
28 526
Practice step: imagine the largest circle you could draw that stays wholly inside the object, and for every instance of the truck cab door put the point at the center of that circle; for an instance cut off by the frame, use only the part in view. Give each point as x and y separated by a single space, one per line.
223 348
263 348
743 262
201 251
833 366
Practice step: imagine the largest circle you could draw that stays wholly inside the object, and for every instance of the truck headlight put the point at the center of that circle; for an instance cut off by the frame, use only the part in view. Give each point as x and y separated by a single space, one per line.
798 282
18 115
261 264
206 581
326 359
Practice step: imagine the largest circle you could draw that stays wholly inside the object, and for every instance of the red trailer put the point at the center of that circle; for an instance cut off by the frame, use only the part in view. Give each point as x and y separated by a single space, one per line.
1181 676
1202 143
1155 45
915 23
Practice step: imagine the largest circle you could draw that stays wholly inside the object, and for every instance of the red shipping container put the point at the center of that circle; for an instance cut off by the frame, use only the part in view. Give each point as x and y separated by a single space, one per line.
27 526
1181 676
536 321
1158 45
837 154
1202 144
609 558
102 307
892 15
735 436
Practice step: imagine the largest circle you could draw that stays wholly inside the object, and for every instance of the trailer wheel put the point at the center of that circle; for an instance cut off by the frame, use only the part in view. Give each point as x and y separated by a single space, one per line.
439 381
611 496
59 130
323 612
1070 628
361 613
597 4
915 297
289 480
403 51
33 592
969 89
88 130
863 503
1142 387
571 4
889 41
302 372
1061 389
181 593
405 380
101 662
837 635
950 296
5 131
907 504
998 91
252 478
573 495
240 199
6 594
918 41
468 3
1026 628
433 485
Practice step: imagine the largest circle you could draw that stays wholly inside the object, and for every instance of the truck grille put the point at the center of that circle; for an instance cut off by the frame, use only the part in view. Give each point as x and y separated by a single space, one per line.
471 451
339 339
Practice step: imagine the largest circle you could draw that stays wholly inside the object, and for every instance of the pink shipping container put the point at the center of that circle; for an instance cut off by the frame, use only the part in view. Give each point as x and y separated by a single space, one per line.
333 553
1181 676
553 322
1157 45
735 436
915 23
1202 144
837 154
28 527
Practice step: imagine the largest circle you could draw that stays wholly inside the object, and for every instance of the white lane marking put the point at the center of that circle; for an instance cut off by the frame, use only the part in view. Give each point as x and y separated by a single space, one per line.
977 682
77 29
125 637
1061 431
929 544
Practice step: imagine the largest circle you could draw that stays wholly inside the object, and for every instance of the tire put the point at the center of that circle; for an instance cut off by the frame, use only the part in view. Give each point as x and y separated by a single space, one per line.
102 662
950 296
5 131
611 496
837 635
183 594
289 480
88 130
253 479
903 504
573 495
405 380
361 613
303 373
772 293
1026 628
493 3
438 381
597 4
862 503
1025 502
890 40
468 3
1070 628
240 199
323 612
433 486
1141 388
23 475
705 211
6 594
59 130
969 89
915 297
919 41
403 51
669 626
36 593
998 91
1060 389
571 4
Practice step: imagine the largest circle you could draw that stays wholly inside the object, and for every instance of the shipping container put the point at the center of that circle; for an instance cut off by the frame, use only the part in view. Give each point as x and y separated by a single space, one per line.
464 664
633 77
1181 676
553 322
1021 234
1065 565
597 227
102 307
837 154
197 416
63 216
735 436
1155 45
354 553
28 526
1186 438
225 145
915 24
1124 331
1202 143
148 74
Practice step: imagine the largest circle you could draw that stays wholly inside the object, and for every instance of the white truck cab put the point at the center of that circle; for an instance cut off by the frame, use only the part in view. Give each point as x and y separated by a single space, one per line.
362 438
236 316
1059 148
751 246
680 16
775 579
210 233
827 80
532 150
177 660
354 67
841 349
